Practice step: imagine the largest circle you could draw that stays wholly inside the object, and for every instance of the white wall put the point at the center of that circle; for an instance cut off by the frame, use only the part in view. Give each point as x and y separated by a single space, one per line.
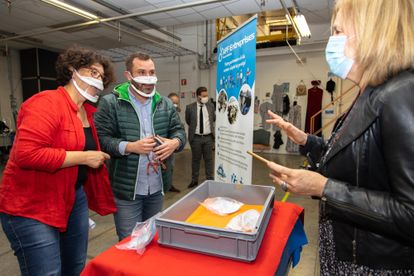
5 91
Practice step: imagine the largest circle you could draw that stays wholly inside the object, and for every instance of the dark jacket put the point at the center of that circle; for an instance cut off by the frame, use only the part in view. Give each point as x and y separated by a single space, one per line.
117 121
370 192
191 118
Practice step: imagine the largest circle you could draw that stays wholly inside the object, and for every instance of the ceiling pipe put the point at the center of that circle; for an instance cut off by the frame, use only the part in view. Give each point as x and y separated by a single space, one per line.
282 2
182 6
298 57
140 20
121 17
142 36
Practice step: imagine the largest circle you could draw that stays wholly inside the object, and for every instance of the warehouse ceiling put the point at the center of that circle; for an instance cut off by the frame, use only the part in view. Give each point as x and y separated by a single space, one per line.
34 23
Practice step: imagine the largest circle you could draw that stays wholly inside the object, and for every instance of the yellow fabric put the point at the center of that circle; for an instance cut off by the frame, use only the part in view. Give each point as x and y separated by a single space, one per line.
202 216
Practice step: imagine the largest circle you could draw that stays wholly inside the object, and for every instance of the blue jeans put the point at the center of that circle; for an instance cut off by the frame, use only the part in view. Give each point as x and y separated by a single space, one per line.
129 212
42 250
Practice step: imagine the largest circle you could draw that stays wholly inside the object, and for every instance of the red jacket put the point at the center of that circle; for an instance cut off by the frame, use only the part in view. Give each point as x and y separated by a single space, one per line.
33 184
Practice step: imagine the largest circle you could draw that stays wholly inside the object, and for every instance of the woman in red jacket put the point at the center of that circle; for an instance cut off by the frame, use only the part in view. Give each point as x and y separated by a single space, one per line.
56 169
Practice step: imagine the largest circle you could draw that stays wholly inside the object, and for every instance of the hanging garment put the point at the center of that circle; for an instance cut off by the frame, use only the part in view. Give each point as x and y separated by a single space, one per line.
286 104
256 104
264 107
301 89
294 117
277 98
277 140
330 87
314 105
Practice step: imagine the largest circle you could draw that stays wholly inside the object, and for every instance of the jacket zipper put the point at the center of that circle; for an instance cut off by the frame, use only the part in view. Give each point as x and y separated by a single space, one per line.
136 113
354 242
153 131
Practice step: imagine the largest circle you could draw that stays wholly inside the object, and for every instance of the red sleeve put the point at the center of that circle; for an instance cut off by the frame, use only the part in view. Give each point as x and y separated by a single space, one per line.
38 124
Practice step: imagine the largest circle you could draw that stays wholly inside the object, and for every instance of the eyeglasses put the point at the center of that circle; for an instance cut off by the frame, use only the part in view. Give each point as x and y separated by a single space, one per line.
95 73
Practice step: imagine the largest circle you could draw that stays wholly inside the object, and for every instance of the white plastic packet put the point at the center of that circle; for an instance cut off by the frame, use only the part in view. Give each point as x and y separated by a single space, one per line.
222 205
92 224
245 222
141 236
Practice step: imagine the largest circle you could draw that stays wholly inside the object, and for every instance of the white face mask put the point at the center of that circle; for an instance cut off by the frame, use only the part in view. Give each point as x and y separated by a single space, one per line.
204 100
98 84
144 80
175 105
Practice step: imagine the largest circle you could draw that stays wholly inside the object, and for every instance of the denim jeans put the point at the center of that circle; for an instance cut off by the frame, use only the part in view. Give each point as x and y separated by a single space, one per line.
43 250
129 212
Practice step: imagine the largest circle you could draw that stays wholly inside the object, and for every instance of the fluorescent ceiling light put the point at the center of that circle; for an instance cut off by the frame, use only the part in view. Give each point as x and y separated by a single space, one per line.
71 9
302 25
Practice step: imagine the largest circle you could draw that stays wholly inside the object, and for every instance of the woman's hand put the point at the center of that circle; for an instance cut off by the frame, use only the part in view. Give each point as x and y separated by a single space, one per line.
300 182
90 158
296 135
95 159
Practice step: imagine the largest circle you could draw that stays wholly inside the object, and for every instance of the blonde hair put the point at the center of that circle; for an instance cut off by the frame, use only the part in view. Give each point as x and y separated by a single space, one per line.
384 36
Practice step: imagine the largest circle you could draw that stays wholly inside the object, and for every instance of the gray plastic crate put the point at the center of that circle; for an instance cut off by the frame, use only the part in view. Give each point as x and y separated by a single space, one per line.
173 231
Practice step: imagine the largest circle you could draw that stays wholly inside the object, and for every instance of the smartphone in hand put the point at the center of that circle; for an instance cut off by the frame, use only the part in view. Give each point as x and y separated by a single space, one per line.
158 141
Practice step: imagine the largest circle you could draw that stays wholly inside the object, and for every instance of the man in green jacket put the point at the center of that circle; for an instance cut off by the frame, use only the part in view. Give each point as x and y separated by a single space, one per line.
140 129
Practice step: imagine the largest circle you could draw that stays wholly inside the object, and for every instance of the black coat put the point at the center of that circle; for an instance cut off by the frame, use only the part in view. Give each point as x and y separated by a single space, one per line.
370 192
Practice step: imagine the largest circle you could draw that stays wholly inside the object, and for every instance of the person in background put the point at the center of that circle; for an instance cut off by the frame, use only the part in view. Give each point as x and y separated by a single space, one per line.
365 176
140 129
4 148
176 103
56 169
4 128
200 117
175 100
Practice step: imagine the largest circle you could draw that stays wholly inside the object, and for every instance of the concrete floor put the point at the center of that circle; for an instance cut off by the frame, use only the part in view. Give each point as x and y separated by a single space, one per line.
103 235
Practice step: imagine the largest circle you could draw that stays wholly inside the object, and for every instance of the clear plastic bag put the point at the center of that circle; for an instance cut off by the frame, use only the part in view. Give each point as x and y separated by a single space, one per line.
92 224
222 205
245 222
141 236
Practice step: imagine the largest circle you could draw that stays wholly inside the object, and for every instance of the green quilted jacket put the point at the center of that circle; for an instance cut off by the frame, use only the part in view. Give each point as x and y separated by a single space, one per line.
117 121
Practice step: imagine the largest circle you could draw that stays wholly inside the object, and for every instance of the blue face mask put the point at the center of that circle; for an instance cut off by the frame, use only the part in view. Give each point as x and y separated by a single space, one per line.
339 64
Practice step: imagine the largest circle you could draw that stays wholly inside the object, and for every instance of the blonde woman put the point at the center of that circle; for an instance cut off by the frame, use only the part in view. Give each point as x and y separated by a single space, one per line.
365 172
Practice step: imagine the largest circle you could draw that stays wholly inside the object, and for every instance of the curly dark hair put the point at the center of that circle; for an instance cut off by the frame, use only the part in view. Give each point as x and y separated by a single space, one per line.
78 57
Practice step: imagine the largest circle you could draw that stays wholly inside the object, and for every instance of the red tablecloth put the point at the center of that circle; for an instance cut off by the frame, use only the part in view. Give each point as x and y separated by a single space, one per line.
159 260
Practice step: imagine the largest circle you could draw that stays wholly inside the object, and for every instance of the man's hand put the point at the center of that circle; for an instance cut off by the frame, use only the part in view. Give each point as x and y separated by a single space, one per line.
167 148
143 146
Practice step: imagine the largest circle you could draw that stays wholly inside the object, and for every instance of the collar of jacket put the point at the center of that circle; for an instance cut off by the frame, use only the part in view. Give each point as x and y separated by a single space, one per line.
361 117
71 103
121 91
